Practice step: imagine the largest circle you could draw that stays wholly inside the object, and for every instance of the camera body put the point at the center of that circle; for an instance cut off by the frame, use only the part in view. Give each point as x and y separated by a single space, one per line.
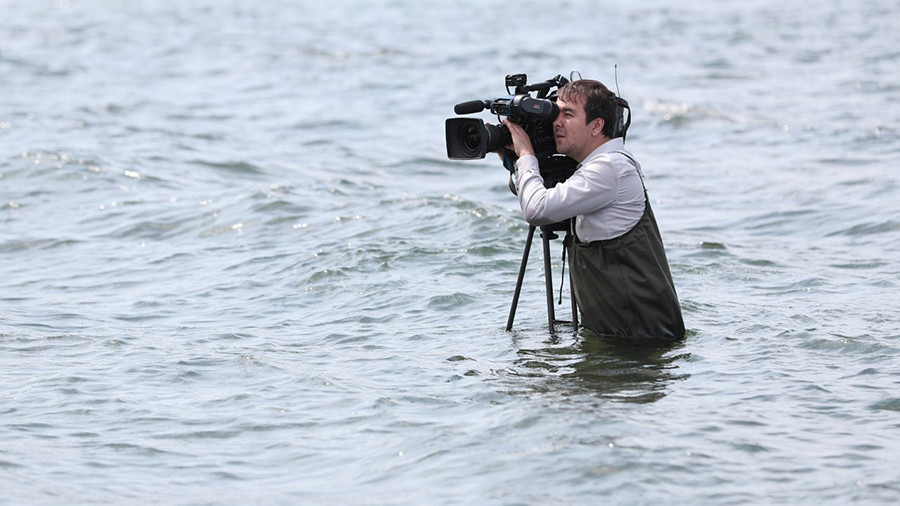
471 138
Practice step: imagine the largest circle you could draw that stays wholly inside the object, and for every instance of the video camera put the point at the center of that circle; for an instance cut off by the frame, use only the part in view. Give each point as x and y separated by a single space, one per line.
471 138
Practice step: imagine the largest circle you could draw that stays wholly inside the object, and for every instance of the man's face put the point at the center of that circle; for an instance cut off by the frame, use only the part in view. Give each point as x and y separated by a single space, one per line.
573 137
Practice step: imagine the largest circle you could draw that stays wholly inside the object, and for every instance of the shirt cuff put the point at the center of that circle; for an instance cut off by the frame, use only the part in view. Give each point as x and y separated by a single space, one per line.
527 167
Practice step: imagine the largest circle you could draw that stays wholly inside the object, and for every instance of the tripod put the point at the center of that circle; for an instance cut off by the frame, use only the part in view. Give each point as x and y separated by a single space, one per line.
548 233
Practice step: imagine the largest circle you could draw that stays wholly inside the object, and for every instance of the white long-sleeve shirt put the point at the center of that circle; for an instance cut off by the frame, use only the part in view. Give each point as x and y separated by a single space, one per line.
605 194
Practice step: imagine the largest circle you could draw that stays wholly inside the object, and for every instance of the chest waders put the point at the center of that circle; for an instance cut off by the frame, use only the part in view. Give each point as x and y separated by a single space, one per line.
623 286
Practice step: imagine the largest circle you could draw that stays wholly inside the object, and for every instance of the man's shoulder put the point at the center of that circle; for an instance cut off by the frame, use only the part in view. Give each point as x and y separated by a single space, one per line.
620 161
608 150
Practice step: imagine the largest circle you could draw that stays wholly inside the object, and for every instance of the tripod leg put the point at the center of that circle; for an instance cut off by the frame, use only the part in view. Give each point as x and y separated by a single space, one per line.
574 304
570 238
548 279
515 301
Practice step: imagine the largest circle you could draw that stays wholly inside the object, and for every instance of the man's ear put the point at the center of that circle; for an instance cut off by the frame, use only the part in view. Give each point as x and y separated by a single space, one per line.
597 128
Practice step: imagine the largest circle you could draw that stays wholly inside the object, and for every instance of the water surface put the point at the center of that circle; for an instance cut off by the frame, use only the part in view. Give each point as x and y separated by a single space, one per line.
236 265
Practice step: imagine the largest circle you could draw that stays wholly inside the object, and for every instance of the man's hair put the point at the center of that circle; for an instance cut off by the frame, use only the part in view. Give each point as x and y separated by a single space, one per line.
599 102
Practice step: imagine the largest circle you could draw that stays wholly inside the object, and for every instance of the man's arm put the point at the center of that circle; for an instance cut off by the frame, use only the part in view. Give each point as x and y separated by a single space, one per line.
584 192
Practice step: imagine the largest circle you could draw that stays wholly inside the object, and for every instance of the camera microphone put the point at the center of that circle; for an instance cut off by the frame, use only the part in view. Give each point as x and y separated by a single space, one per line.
471 106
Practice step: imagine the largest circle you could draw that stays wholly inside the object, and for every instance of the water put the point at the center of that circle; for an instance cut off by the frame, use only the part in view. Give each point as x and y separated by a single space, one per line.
236 265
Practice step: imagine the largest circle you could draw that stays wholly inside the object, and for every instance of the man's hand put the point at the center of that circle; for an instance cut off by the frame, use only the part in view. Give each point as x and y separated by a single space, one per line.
521 144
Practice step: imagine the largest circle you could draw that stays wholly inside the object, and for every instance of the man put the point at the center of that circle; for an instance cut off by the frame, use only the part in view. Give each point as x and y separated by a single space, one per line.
620 274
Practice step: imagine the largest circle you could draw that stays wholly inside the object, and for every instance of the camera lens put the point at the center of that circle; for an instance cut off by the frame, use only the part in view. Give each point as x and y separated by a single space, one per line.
497 137
466 138
471 138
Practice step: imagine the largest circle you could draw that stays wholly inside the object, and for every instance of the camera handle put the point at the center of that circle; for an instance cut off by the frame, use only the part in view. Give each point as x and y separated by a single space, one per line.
548 233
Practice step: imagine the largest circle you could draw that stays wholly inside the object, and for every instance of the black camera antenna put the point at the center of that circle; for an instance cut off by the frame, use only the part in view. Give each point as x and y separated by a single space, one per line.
622 122
616 74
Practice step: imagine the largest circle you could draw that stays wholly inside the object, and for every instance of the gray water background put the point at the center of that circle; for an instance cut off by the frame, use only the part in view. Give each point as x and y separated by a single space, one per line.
236 266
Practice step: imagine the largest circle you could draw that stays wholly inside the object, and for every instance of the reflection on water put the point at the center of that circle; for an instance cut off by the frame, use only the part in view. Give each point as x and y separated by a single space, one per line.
608 369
